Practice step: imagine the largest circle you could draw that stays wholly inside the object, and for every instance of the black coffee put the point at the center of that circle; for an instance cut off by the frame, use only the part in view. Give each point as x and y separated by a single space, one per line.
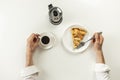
45 39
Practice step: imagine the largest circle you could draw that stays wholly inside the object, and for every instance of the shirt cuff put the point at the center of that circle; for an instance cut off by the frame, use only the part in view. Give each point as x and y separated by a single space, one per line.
29 71
100 67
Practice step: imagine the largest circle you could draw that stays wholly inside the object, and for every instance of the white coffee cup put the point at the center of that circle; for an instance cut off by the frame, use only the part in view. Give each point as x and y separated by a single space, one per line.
47 40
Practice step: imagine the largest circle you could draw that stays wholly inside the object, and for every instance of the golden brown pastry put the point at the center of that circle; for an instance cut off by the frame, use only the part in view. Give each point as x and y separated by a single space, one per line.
77 36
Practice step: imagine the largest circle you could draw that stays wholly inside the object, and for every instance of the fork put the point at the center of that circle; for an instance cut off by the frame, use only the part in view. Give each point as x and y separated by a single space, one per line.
83 43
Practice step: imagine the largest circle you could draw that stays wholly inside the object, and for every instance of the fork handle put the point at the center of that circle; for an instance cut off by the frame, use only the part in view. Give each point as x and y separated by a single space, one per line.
93 37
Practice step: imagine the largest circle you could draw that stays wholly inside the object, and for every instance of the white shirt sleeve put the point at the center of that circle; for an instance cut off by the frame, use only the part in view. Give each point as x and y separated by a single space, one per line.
30 73
102 71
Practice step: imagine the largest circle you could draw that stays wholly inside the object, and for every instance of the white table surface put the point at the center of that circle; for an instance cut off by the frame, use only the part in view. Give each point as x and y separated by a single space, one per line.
20 18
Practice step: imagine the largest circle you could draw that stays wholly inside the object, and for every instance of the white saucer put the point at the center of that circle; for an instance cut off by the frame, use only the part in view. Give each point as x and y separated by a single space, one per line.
52 40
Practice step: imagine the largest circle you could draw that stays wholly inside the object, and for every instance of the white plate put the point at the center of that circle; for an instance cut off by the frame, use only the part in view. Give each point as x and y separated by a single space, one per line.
68 43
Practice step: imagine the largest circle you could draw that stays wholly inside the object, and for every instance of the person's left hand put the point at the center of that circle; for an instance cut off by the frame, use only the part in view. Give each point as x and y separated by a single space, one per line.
33 42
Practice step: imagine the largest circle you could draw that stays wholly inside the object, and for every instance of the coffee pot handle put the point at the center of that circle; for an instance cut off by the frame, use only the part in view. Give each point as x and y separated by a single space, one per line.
50 6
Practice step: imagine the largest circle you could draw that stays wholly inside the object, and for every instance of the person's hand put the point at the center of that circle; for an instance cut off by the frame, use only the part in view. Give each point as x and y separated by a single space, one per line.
33 42
97 42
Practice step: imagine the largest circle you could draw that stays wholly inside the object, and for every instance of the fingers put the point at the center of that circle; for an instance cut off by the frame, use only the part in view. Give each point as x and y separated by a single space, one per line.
101 39
37 35
33 37
98 38
36 38
36 44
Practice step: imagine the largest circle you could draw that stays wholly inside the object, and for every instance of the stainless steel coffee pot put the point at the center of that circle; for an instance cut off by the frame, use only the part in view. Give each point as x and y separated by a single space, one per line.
55 15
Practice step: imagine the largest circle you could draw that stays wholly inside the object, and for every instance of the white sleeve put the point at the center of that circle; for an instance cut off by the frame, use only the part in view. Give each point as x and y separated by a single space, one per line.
102 71
30 73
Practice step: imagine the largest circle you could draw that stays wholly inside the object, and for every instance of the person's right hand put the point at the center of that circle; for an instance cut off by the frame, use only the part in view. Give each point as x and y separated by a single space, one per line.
97 42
